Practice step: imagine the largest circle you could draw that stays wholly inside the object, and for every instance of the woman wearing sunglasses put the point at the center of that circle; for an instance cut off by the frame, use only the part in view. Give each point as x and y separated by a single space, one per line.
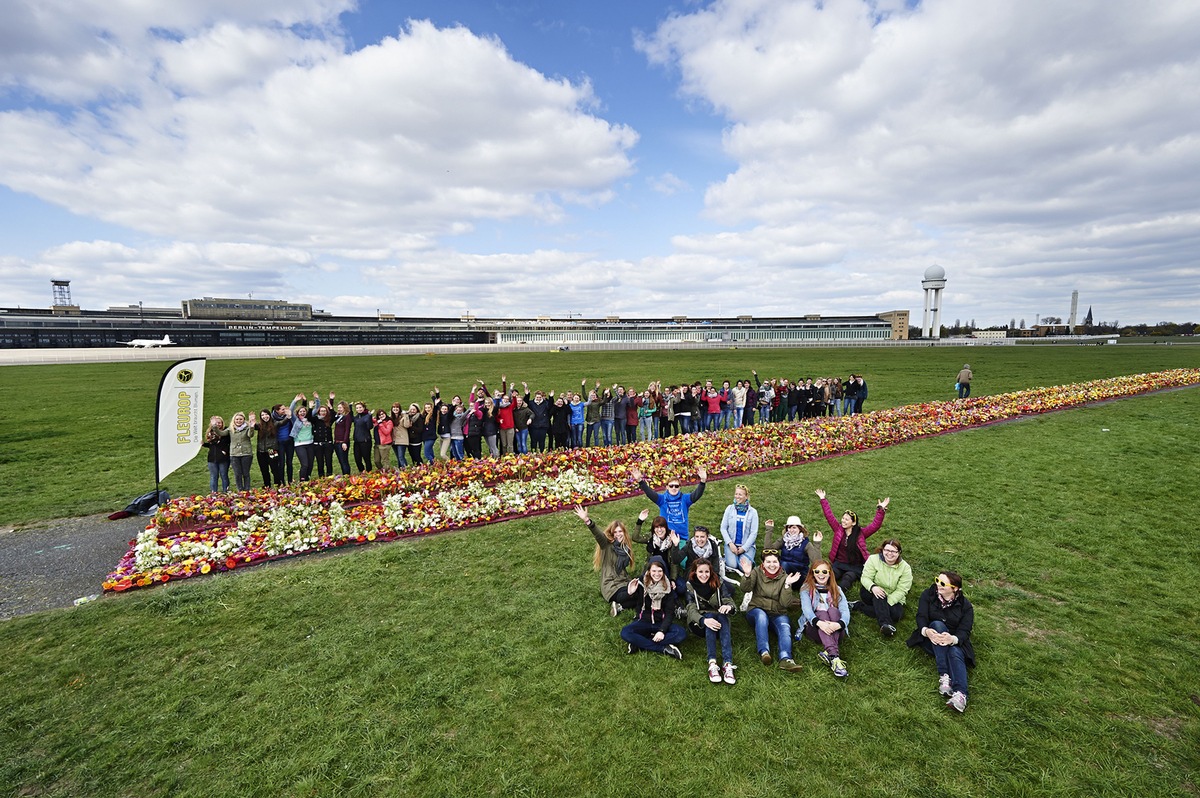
769 593
824 615
944 621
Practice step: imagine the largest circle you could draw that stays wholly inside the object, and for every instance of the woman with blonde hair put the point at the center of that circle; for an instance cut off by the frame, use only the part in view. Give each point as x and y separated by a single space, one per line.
612 559
241 449
739 530
824 615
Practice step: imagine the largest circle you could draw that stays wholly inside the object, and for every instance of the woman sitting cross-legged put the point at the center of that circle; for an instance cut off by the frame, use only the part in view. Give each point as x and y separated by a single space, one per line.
769 594
652 629
824 615
886 580
709 605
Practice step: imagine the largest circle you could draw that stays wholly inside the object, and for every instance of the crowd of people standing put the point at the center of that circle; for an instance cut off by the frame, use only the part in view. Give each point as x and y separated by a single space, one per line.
289 441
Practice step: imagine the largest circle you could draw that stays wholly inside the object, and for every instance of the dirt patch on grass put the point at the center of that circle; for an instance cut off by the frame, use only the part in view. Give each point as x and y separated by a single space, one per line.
1169 727
1028 630
1016 591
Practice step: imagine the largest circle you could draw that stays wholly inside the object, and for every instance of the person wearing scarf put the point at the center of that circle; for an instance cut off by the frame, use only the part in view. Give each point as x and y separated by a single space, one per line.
652 629
769 593
824 615
660 541
699 547
612 559
739 530
241 449
795 548
944 621
709 605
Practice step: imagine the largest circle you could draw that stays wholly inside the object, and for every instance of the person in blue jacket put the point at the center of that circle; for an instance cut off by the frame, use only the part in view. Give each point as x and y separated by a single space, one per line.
673 505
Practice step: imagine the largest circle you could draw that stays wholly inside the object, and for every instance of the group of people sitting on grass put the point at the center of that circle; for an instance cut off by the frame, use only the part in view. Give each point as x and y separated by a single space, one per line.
507 420
694 578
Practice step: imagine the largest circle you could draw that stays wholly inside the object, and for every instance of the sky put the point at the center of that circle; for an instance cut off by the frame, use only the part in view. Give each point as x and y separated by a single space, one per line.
584 159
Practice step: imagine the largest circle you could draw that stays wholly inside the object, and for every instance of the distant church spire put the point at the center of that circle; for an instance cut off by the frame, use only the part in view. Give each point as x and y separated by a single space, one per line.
1087 321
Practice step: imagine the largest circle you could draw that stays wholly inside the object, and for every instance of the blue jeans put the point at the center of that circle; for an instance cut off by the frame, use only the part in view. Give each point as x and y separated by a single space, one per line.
218 472
964 391
521 441
722 637
731 559
761 621
458 449
847 407
606 427
640 634
685 424
576 435
950 659
427 446
764 415
646 426
738 412
725 416
401 451
593 434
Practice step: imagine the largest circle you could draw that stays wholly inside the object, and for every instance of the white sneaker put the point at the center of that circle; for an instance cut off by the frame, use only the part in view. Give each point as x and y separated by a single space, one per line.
616 609
944 684
958 701
714 673
727 673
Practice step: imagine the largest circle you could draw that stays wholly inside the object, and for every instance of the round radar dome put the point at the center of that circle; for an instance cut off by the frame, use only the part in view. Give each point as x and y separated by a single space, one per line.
935 272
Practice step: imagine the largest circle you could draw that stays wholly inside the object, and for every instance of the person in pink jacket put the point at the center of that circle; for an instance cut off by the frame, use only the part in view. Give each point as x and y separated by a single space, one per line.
848 551
383 441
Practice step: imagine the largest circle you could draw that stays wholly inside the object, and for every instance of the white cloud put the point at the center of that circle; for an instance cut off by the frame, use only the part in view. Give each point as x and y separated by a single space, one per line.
260 134
980 136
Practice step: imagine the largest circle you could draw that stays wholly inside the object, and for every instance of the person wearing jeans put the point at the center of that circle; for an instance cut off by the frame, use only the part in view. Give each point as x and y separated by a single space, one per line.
769 590
944 621
653 597
709 605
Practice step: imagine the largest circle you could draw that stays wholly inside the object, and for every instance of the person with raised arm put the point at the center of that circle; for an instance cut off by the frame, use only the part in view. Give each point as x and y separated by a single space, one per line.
612 560
848 551
674 504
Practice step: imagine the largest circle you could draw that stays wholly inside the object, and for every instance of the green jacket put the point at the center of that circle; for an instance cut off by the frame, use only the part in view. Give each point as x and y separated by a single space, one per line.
896 580
611 579
771 595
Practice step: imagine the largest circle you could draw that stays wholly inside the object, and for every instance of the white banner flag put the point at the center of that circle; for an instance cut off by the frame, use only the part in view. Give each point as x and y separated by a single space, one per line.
180 429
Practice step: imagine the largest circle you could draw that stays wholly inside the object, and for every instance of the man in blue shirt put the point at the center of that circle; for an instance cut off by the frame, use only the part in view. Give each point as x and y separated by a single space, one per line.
673 505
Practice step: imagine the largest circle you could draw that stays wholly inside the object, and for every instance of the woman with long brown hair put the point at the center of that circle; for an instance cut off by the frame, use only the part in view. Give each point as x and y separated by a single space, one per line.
612 559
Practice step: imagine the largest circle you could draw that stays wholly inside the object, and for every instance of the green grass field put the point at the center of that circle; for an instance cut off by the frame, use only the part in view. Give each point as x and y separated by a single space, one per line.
485 663
78 439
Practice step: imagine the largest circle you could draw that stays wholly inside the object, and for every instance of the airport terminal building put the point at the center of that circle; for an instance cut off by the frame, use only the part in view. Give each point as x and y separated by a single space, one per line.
215 322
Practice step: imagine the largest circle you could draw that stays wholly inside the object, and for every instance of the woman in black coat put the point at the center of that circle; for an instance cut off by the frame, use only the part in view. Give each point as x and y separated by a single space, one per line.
944 621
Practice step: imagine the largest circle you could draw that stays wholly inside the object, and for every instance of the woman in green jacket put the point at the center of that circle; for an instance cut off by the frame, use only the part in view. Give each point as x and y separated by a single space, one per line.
613 558
886 580
769 593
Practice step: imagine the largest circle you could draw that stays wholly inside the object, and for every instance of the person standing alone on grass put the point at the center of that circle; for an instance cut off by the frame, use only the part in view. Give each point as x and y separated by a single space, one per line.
964 381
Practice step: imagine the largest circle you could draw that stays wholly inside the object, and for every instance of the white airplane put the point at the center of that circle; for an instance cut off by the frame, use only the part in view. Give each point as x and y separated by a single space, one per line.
150 343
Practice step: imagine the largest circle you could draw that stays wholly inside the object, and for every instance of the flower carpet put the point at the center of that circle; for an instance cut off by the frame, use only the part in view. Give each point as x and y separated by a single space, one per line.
222 531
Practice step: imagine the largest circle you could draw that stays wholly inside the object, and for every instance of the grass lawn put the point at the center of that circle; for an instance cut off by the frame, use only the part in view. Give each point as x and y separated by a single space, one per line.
80 439
485 663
